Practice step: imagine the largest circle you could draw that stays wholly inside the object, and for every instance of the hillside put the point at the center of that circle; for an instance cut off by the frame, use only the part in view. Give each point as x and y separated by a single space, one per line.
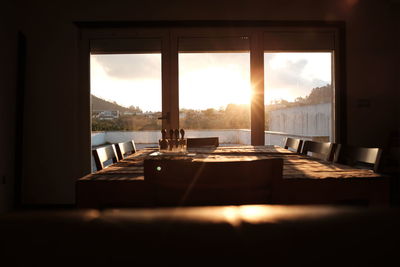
101 104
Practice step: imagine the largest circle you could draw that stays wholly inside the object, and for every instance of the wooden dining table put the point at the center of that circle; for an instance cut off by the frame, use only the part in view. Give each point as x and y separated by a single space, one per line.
305 179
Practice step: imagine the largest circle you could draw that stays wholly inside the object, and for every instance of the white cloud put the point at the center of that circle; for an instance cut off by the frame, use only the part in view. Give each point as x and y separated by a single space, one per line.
295 74
131 66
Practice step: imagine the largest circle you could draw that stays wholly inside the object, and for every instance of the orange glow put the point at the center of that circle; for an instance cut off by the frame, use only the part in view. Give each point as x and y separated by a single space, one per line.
251 213
233 215
351 3
91 215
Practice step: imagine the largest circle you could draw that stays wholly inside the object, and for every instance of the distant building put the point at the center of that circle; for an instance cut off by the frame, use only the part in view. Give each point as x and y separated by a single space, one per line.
307 120
106 114
148 114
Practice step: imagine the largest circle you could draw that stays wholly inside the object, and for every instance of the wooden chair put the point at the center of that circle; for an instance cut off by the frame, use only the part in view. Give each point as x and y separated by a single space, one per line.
186 182
203 142
293 143
322 150
358 156
124 149
103 155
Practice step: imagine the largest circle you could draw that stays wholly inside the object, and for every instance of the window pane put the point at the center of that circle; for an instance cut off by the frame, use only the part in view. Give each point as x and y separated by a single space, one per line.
298 96
126 98
214 95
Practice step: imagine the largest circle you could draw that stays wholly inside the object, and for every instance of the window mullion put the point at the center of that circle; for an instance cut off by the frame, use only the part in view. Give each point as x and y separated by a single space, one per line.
174 83
257 85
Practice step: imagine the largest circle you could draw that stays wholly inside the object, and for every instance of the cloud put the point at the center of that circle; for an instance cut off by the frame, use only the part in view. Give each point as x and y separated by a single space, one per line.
132 66
282 71
189 62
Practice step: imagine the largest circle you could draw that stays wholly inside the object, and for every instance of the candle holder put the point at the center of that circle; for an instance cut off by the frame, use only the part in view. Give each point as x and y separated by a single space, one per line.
174 144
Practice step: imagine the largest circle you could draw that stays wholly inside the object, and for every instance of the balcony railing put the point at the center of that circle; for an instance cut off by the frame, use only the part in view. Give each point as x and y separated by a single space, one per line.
229 136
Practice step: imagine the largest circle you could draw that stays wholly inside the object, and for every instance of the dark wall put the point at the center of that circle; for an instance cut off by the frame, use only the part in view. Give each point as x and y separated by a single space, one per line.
8 63
373 69
52 130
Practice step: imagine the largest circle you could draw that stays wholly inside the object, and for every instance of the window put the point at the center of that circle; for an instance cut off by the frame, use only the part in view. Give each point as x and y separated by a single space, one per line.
214 95
125 98
299 80
298 96
125 91
188 60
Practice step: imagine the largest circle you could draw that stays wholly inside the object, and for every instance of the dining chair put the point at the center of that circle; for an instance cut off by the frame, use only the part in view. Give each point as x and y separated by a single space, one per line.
104 155
124 149
203 142
390 159
185 182
358 156
293 144
322 150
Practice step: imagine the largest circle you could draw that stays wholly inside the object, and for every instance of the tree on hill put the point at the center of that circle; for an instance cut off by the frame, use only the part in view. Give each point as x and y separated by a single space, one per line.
318 95
234 116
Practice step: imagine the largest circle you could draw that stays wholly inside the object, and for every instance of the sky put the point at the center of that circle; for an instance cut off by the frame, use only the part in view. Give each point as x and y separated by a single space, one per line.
291 75
206 80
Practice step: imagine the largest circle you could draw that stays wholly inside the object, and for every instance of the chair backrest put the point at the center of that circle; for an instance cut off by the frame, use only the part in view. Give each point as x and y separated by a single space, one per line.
203 142
365 156
322 150
390 159
293 143
103 155
124 149
186 182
